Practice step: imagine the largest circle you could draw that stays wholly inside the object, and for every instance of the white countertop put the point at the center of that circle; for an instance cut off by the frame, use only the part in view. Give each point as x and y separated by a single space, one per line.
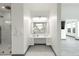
40 36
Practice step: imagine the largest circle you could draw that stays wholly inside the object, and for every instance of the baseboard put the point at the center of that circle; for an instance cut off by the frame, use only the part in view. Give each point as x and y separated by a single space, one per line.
18 55
53 50
39 44
21 54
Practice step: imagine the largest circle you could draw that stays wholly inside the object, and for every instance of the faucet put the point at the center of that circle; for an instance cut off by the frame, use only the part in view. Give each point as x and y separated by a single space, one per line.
37 35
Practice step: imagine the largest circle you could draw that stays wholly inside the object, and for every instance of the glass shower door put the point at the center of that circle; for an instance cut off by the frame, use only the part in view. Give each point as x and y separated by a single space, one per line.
5 29
0 35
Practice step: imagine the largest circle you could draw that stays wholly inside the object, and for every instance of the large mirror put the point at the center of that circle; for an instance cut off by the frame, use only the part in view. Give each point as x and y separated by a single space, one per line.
39 27
69 30
73 30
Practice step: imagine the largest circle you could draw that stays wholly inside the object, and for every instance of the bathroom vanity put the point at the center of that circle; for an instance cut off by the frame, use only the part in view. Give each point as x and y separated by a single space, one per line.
39 31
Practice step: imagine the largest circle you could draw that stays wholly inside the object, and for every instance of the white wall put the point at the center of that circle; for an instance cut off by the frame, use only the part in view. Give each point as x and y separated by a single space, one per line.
69 11
55 29
27 27
58 41
63 34
17 29
21 26
77 30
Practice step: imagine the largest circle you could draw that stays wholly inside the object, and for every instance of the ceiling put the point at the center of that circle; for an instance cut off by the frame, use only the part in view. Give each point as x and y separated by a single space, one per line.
40 9
40 6
35 8
69 11
70 4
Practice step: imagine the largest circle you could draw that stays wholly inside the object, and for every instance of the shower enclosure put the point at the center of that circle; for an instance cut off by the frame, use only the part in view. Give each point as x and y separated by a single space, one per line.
5 29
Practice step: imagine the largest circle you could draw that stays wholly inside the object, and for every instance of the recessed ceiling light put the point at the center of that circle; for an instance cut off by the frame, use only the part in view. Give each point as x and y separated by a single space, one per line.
3 7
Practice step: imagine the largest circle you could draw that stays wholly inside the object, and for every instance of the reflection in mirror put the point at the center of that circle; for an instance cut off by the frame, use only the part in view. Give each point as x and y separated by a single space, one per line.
69 30
39 27
73 30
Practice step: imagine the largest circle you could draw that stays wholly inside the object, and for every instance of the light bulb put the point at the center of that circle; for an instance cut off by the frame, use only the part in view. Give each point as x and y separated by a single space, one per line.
3 7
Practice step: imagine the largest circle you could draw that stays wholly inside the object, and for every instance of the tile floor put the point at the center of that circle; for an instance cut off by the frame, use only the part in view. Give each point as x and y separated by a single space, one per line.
70 47
39 50
5 49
